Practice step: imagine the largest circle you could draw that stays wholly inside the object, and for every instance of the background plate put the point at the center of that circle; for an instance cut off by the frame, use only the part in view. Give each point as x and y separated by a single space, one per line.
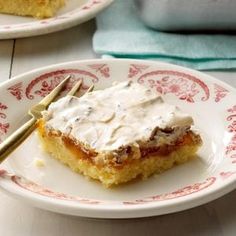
74 12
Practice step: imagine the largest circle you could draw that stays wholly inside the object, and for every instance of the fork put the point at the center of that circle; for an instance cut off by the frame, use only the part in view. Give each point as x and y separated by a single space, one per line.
16 138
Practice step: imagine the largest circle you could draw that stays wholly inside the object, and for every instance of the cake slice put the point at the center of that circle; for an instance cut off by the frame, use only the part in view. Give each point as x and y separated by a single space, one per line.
35 8
118 134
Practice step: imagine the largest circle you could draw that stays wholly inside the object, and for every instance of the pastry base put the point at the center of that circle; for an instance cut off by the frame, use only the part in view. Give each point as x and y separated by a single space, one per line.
35 8
108 174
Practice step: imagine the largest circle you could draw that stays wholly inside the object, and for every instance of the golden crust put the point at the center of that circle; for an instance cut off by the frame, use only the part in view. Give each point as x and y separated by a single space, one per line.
35 8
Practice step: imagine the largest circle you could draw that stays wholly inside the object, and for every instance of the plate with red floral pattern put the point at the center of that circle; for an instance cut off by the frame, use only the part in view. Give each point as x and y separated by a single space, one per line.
73 13
53 186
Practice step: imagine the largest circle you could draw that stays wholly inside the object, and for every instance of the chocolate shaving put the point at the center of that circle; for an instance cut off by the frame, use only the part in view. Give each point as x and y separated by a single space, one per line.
167 131
121 153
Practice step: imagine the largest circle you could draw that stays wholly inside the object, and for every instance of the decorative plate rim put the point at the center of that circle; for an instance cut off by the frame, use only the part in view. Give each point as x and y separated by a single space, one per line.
119 208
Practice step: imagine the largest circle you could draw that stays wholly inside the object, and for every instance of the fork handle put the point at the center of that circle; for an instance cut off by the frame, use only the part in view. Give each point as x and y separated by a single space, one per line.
16 138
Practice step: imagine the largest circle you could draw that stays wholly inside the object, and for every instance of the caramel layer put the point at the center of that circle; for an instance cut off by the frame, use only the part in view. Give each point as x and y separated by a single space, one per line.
189 139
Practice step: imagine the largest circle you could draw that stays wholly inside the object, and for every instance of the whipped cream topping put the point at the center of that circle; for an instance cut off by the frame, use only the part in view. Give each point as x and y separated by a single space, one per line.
108 119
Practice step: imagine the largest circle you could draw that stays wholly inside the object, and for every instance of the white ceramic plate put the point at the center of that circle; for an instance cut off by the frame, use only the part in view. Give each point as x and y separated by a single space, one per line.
73 13
55 187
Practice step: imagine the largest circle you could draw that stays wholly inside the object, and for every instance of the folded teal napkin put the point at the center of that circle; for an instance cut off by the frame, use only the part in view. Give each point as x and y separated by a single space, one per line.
120 33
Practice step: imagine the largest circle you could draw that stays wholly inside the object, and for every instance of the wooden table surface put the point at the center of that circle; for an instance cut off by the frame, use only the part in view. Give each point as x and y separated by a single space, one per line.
17 219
